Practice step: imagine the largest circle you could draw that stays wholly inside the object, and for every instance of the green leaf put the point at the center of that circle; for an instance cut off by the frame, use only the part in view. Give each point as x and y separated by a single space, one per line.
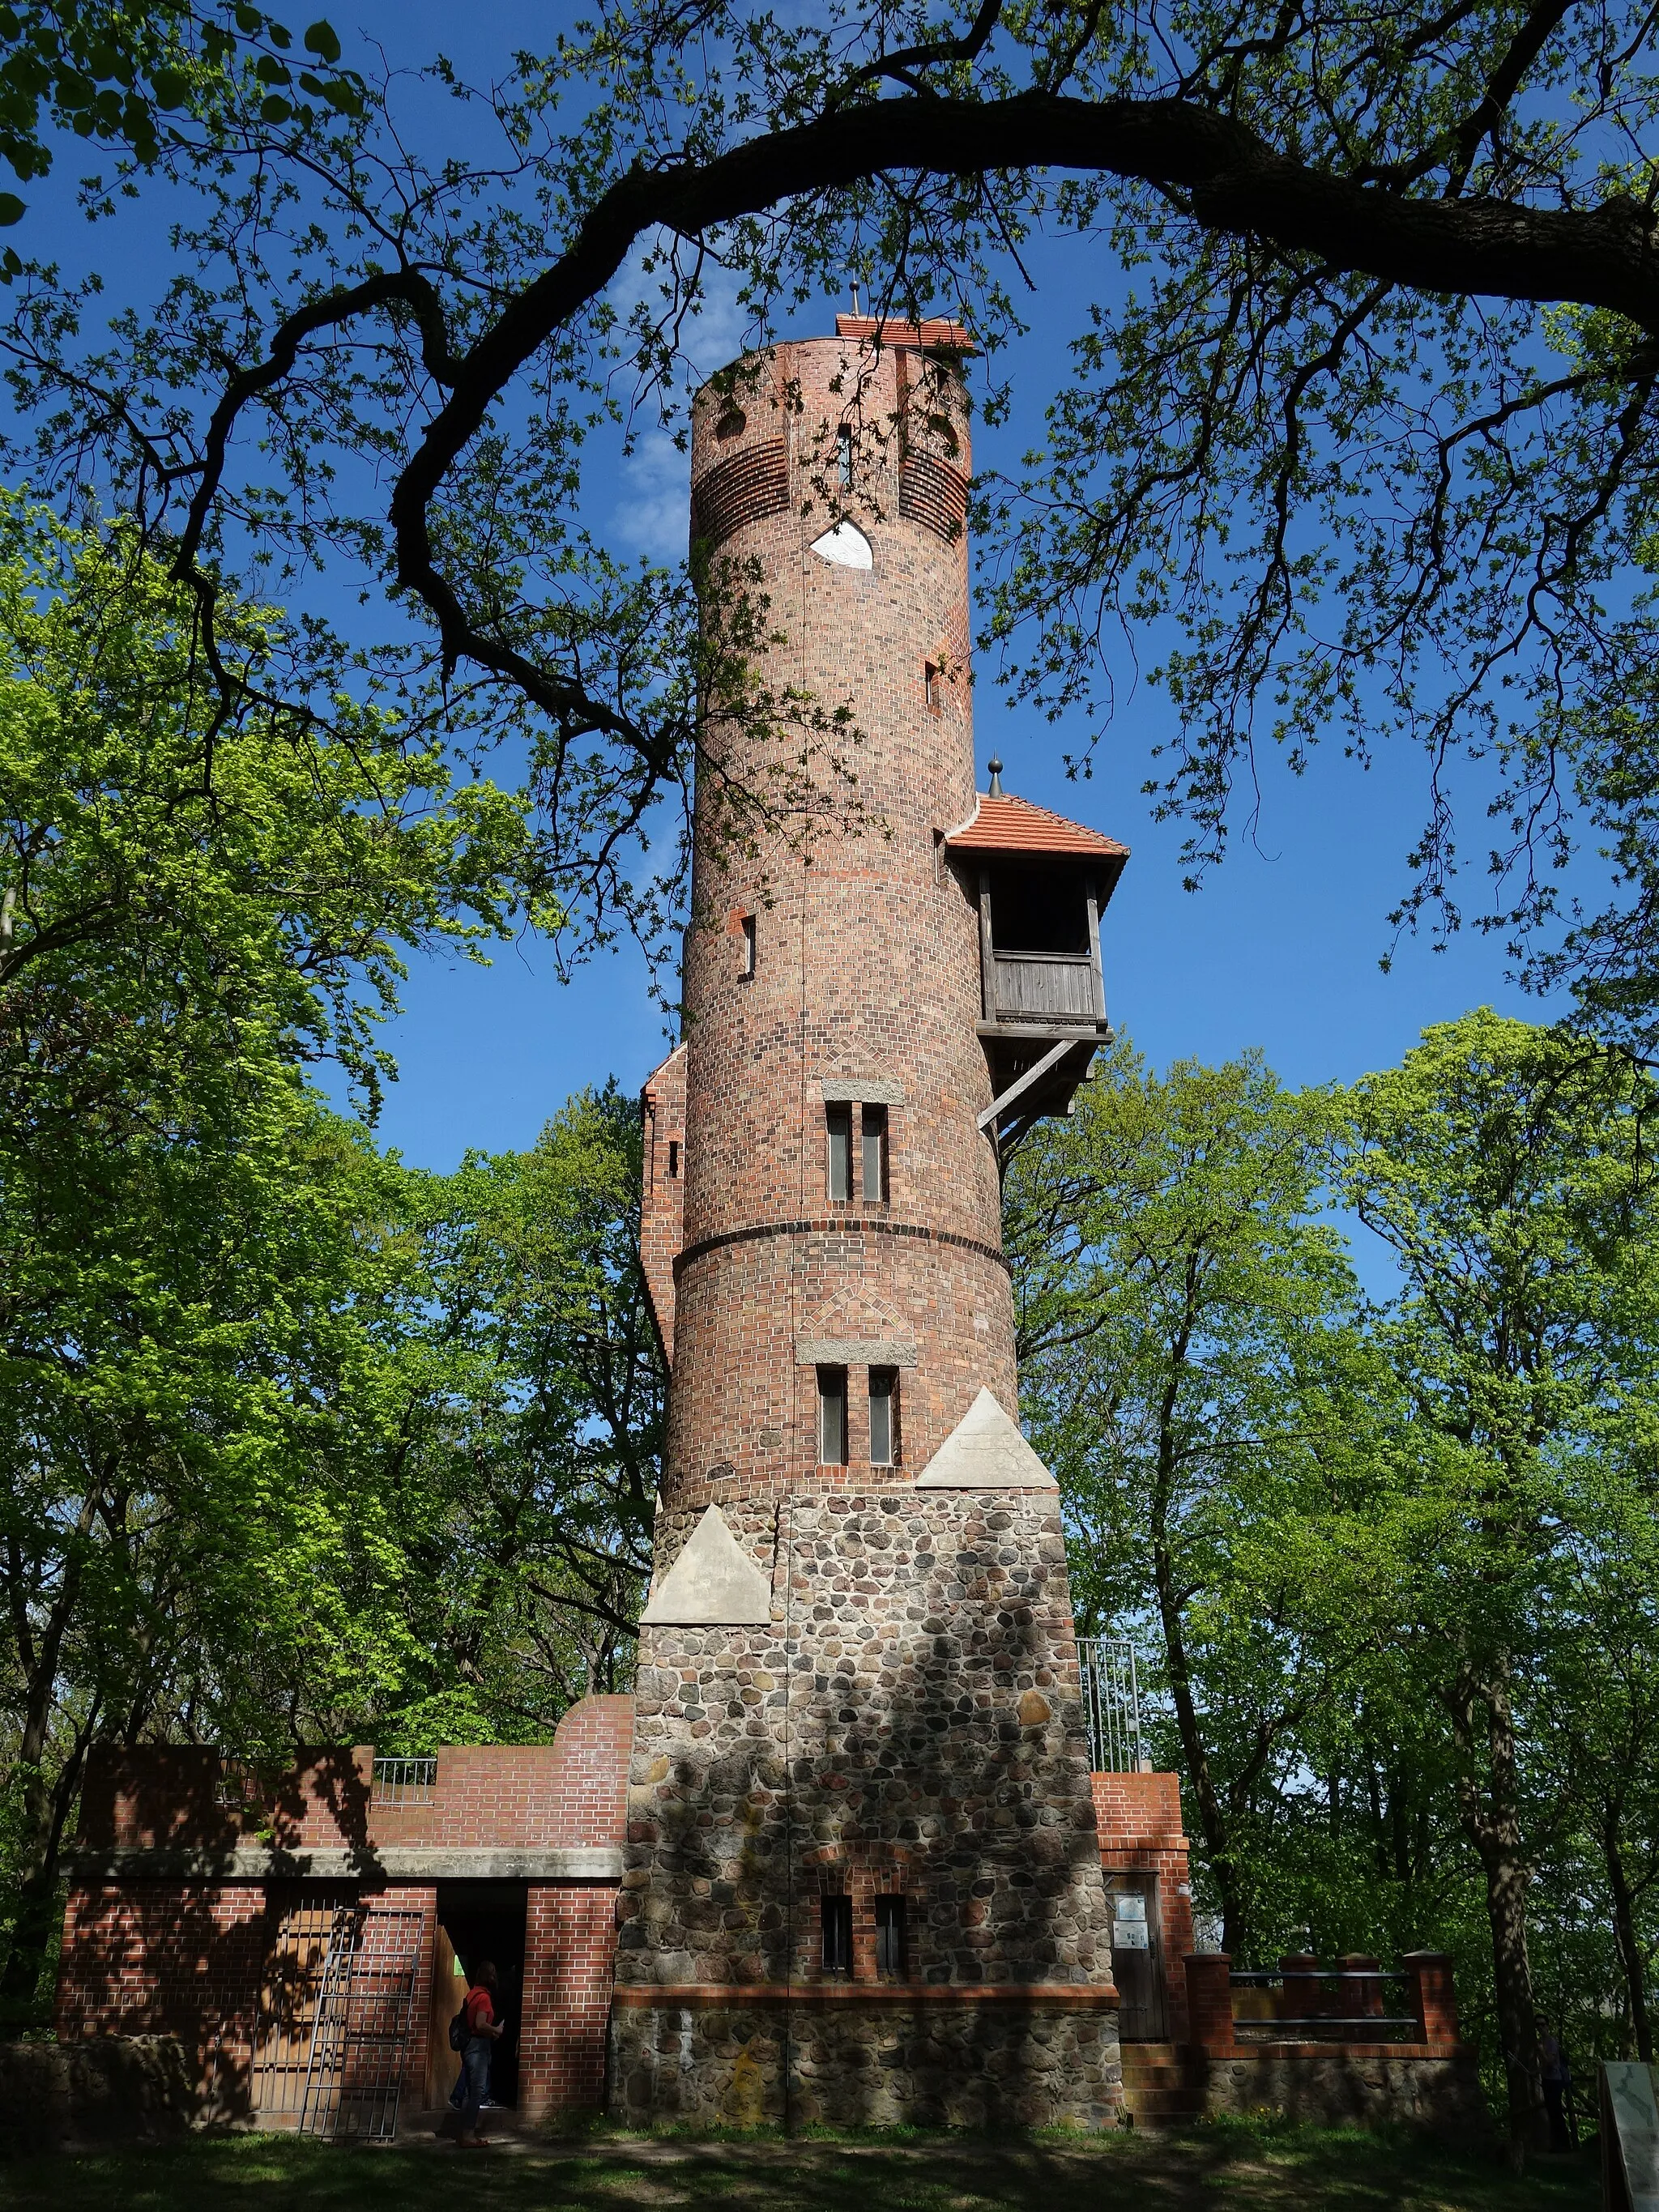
170 88
269 70
11 211
320 39
275 110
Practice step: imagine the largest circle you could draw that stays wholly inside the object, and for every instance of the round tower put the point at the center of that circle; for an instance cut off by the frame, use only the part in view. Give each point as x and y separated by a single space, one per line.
860 1805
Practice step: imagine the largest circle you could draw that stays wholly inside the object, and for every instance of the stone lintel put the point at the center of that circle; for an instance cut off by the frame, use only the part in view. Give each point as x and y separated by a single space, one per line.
861 1091
386 1863
854 1352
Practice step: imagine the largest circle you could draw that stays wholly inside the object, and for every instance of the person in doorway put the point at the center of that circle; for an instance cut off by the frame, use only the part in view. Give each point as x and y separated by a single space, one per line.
1558 2087
485 2029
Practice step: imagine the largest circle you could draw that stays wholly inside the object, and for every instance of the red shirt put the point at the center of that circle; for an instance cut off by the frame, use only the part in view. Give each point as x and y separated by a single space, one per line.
480 2013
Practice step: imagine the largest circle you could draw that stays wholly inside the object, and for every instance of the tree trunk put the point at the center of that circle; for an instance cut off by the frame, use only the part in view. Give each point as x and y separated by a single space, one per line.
1625 1935
1491 1821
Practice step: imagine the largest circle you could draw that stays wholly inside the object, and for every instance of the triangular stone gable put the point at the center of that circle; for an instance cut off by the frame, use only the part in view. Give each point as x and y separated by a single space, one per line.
985 1452
713 1583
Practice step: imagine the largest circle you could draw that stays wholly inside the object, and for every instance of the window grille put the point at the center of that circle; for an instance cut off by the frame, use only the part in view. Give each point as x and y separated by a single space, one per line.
837 1934
404 1781
832 1417
873 1162
838 1121
889 1934
884 1427
1111 1704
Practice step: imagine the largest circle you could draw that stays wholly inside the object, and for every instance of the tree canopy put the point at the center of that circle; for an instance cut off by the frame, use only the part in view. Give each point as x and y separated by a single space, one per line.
1357 421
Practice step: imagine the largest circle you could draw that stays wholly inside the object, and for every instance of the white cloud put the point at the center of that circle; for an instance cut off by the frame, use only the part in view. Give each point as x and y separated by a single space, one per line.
653 517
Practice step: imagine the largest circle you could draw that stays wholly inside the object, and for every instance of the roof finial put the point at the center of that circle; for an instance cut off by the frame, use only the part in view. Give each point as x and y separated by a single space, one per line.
856 310
995 791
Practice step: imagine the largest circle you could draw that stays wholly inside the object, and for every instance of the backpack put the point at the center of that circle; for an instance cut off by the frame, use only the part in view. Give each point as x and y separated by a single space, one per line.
459 2035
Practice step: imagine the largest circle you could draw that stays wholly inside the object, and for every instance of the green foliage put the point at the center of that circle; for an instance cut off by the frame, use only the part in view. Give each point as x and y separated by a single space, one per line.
126 73
1391 1567
200 1532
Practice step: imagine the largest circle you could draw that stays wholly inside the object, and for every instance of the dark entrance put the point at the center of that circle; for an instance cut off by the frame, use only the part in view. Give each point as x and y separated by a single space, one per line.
478 1920
1137 1957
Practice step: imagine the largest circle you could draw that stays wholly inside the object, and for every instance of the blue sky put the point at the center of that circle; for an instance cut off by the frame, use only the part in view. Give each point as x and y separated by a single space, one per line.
1279 948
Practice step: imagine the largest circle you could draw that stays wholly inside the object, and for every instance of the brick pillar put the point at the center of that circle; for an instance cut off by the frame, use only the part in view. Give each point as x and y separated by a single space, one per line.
1434 1999
1210 1999
1360 1997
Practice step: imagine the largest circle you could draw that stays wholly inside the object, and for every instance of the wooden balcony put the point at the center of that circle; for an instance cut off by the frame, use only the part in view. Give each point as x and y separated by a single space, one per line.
1046 989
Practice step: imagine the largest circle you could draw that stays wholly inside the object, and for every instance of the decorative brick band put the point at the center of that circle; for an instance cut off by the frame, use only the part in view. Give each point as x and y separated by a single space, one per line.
705 1996
844 1224
747 488
932 495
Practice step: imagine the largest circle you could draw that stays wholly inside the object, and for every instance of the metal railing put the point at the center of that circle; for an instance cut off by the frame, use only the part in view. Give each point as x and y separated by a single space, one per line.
1339 2004
1111 1704
404 1782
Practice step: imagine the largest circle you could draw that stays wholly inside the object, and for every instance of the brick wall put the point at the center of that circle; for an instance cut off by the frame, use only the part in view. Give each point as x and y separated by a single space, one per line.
571 1792
570 1946
663 1193
166 1959
1138 1819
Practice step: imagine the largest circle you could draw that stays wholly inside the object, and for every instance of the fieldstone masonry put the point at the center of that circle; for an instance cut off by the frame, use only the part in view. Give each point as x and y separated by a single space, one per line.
905 1732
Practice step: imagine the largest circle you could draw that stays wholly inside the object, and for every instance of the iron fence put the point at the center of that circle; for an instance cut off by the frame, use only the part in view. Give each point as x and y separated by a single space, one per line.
404 1781
1111 1704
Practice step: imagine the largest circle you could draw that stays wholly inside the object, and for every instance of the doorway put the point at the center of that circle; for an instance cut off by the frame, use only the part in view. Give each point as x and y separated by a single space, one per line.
1136 1958
477 1920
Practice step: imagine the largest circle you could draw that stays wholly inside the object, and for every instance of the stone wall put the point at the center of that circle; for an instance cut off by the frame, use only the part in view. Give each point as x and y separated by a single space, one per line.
1349 2085
57 2096
934 2058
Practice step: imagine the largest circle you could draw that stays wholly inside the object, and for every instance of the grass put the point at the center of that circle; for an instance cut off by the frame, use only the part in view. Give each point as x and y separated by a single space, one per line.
1247 2167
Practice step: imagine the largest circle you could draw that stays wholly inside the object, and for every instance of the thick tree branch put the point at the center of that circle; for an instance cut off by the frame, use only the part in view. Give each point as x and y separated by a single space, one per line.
1228 177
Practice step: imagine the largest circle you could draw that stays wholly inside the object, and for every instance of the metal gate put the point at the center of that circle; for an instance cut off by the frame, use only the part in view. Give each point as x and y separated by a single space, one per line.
359 2038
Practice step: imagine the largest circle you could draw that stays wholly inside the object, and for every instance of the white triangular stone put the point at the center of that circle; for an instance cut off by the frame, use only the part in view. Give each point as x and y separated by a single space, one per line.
985 1452
846 545
713 1582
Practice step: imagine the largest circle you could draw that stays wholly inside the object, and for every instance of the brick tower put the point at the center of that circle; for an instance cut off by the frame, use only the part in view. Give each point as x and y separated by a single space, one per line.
862 1880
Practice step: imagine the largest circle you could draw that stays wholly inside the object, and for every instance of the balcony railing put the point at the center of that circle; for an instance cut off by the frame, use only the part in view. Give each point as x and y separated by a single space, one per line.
1045 986
1111 1704
404 1782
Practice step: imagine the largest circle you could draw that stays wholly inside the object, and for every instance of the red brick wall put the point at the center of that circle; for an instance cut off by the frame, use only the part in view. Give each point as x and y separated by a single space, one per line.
570 1946
1138 1819
161 1959
663 1193
571 1792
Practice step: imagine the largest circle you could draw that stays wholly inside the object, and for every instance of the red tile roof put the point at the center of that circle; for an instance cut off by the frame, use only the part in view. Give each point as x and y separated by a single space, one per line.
1014 825
948 338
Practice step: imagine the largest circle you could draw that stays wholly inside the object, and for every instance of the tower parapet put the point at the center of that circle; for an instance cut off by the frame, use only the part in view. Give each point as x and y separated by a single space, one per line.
861 1818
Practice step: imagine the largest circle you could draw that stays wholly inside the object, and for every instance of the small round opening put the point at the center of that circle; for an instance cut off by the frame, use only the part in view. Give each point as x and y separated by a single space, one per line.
731 424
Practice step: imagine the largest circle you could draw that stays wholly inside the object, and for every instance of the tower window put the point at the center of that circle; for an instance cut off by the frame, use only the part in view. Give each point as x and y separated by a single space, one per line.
930 684
749 944
832 1417
884 1417
844 455
889 1934
874 1161
838 1121
673 1159
837 1933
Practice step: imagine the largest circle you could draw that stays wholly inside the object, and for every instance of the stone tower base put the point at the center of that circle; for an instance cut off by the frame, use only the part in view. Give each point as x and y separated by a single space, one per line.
1004 2057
